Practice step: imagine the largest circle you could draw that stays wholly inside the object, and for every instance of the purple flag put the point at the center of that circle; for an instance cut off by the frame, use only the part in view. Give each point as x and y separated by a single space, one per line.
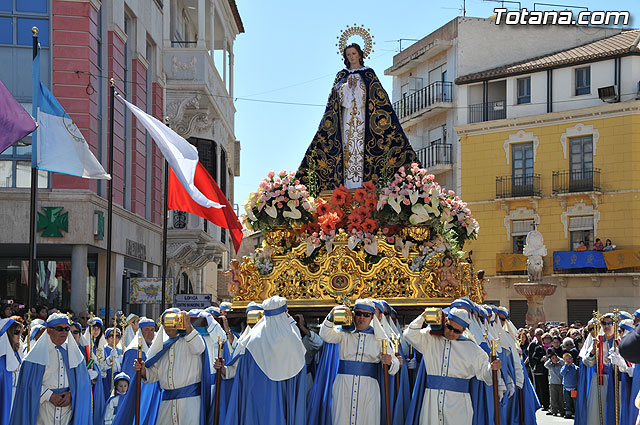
15 122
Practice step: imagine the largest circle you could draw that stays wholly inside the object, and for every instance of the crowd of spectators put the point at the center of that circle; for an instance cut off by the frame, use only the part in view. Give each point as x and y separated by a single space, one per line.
551 355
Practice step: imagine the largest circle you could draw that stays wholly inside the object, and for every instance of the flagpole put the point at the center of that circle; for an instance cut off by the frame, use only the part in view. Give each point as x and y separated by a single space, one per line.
165 214
112 91
31 280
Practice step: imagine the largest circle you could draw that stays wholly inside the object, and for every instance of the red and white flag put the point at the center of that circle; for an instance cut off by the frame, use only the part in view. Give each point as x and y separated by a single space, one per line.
226 218
181 155
191 187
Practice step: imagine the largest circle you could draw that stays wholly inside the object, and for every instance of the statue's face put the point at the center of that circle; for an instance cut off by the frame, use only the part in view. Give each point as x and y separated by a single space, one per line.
353 57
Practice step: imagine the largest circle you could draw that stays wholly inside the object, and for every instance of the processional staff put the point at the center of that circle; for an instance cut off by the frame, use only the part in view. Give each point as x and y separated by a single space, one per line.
385 373
395 340
90 328
216 401
493 345
616 370
598 341
28 331
138 381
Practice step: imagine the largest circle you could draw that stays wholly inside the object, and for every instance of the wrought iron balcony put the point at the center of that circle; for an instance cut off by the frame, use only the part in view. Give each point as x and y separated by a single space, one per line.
567 181
423 99
489 111
435 155
515 186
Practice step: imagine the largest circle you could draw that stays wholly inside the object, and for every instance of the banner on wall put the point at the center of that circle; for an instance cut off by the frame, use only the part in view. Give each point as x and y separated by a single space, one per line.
148 290
511 263
578 260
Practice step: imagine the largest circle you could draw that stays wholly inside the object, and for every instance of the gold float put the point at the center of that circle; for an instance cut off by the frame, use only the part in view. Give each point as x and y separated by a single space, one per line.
341 276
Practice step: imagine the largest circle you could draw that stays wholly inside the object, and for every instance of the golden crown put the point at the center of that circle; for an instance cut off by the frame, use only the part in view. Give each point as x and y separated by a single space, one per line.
355 30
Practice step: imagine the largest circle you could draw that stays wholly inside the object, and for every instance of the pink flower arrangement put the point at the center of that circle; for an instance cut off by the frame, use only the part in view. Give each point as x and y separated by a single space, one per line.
280 200
415 197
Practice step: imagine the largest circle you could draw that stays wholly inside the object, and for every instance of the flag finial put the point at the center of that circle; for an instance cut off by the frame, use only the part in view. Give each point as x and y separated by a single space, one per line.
35 31
112 81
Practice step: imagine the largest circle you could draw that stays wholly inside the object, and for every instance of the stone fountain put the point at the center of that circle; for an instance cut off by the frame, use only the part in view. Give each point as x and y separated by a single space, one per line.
534 290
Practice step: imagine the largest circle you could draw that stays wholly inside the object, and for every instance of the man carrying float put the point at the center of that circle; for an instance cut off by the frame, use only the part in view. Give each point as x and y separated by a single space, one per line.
451 360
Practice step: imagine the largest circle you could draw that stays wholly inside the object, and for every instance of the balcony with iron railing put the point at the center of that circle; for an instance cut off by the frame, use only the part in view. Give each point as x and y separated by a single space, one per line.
572 181
436 158
489 111
431 99
517 186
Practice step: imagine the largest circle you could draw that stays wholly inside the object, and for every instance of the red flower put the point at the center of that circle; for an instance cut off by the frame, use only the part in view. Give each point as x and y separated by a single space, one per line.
360 195
322 208
355 218
363 211
338 211
310 227
371 196
369 225
338 197
341 196
370 204
352 227
369 186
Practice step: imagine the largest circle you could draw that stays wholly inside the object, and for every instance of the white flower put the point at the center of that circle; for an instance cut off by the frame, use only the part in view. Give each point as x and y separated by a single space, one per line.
420 214
272 211
395 203
310 246
371 247
414 195
249 210
294 213
353 242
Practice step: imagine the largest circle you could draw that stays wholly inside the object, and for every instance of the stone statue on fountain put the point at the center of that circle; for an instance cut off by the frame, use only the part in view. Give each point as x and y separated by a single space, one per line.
534 249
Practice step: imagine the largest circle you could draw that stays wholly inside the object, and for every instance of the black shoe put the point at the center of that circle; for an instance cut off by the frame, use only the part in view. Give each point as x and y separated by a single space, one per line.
568 416
549 413
544 409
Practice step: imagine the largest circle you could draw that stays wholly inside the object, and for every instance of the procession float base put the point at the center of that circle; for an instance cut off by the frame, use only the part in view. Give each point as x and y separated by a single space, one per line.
407 278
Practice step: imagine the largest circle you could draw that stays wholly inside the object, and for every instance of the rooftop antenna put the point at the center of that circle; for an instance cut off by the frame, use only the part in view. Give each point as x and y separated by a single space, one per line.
559 5
400 40
462 9
502 2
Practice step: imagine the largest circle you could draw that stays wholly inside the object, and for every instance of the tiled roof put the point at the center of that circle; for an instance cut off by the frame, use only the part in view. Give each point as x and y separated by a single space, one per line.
624 43
236 16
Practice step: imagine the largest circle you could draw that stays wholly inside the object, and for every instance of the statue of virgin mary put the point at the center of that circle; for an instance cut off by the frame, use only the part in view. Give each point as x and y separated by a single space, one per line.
359 138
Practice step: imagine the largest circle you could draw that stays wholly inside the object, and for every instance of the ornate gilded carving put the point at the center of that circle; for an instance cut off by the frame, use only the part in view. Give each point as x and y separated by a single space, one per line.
344 275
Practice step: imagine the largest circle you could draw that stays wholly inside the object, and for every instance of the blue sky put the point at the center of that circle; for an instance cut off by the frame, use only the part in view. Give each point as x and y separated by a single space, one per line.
288 54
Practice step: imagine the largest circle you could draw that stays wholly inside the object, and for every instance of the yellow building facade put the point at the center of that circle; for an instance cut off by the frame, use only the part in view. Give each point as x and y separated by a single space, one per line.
574 175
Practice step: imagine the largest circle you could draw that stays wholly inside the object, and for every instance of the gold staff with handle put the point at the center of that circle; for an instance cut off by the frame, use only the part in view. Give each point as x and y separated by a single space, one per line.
596 340
138 381
616 370
216 400
493 345
385 372
28 331
395 340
